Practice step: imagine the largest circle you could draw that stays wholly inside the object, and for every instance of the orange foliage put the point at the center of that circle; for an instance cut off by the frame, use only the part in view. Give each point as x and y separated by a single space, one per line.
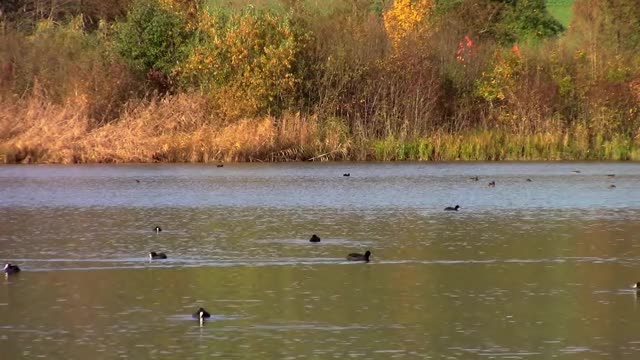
465 49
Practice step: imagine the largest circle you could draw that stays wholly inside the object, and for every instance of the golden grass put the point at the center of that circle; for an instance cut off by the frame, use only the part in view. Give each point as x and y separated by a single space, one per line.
185 128
182 128
39 131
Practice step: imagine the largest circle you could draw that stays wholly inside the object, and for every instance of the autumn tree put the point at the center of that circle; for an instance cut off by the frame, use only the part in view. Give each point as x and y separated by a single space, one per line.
614 23
405 17
252 57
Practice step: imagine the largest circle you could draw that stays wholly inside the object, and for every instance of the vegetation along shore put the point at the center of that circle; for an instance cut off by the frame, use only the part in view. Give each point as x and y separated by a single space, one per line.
114 81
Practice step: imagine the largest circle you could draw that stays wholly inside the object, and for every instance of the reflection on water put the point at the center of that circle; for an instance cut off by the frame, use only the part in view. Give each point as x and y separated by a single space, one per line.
524 270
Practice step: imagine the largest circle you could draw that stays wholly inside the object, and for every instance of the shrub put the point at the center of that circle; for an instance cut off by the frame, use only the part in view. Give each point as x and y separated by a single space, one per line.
63 63
249 60
153 39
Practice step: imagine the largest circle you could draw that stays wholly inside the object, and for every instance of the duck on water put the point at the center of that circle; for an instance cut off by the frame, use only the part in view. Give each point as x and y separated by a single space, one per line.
359 257
156 256
201 314
11 269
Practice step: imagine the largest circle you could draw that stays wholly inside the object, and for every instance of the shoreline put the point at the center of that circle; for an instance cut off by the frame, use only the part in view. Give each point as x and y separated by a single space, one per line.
211 149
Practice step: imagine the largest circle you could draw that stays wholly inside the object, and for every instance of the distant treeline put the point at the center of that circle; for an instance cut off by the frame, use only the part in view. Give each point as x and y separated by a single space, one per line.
280 80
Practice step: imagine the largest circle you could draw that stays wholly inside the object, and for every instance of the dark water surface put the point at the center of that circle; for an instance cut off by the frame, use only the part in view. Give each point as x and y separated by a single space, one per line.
525 270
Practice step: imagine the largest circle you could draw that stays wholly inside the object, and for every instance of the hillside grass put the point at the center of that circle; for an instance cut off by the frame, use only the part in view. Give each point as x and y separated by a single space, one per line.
561 10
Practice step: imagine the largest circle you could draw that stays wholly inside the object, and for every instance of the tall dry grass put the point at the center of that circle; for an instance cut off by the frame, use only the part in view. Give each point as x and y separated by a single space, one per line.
177 128
182 128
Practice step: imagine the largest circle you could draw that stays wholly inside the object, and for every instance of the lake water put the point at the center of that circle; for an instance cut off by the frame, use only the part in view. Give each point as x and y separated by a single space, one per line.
525 270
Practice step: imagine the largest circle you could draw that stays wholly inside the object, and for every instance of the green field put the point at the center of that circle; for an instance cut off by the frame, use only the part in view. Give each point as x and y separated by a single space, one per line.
561 10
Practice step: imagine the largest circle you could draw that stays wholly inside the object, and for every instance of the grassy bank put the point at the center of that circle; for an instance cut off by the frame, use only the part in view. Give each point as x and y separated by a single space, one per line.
179 129
201 81
561 10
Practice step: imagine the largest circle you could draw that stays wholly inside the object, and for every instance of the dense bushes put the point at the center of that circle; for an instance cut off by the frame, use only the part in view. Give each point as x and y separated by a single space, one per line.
64 64
250 61
420 79
154 40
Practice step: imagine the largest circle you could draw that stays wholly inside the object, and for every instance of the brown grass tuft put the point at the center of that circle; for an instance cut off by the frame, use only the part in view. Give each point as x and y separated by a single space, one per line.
181 128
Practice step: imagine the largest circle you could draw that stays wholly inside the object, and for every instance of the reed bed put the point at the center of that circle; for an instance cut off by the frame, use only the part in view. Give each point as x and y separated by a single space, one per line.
181 129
